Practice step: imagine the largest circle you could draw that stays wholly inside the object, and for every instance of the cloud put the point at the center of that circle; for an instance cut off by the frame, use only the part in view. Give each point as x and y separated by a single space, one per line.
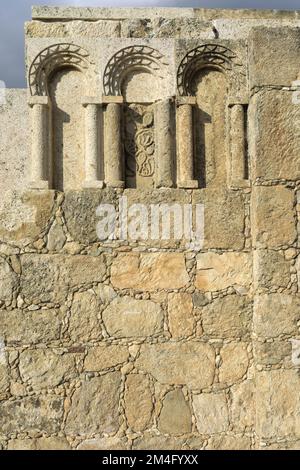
16 12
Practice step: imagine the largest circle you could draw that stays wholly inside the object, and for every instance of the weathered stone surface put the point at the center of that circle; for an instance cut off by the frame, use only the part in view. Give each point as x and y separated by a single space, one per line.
138 402
276 314
31 413
126 317
269 64
235 362
42 443
80 212
224 442
180 315
31 327
104 357
149 271
271 270
219 271
175 417
273 217
47 278
44 368
95 406
273 353
56 237
190 363
158 442
84 323
105 443
211 412
9 281
4 377
277 139
227 317
25 215
243 405
219 207
278 403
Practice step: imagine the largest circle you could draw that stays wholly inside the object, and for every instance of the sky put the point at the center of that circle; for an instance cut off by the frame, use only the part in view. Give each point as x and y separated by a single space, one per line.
15 12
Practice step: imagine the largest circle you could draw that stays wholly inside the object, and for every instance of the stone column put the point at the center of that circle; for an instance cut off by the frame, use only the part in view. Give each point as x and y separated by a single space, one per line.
185 143
114 154
92 150
164 125
237 145
40 111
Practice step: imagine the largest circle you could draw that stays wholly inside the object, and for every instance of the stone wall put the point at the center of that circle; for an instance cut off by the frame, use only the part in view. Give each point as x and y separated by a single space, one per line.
148 344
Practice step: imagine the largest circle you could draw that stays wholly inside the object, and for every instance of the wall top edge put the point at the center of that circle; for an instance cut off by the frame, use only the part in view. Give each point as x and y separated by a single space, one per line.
96 13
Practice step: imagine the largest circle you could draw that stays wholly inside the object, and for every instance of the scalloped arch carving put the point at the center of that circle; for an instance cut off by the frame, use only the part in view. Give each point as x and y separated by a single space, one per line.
125 61
53 58
207 55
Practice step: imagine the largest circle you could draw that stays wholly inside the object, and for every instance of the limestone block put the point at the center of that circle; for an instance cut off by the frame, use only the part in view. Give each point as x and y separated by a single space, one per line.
9 281
149 271
42 368
42 443
219 208
273 217
80 212
276 314
211 412
190 363
218 271
180 315
4 375
234 363
94 407
138 402
103 357
243 405
126 317
37 29
84 323
31 414
274 56
104 443
277 136
47 278
24 215
278 404
39 326
175 417
227 317
273 353
271 270
224 442
158 442
56 237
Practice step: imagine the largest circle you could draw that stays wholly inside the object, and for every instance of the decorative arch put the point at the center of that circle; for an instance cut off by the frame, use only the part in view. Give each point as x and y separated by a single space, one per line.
127 60
53 58
208 55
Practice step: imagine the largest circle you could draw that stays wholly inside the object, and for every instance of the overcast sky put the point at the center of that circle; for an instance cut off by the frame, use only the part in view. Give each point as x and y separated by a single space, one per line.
15 12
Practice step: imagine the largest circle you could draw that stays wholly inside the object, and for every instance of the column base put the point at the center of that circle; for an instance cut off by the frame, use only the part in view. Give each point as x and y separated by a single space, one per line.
39 184
165 184
115 184
188 184
93 184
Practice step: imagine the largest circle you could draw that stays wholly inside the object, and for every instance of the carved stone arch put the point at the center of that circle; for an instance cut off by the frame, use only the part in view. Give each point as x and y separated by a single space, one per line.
213 56
53 58
126 60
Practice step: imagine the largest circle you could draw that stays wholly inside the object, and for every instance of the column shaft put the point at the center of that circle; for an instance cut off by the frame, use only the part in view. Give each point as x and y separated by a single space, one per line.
185 146
164 143
92 153
40 146
237 137
114 150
